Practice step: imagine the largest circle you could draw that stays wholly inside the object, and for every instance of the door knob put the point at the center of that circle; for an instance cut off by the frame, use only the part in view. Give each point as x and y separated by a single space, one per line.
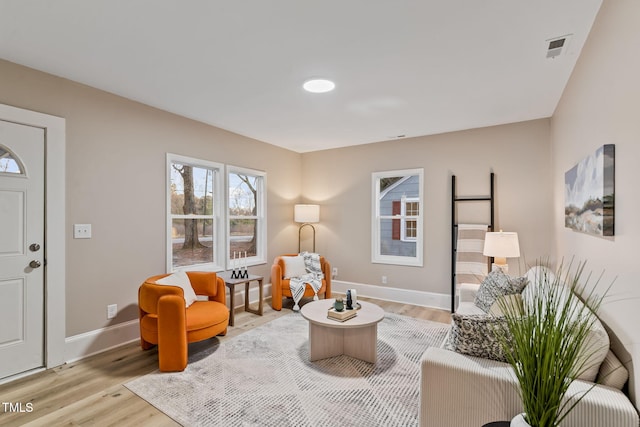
35 263
34 247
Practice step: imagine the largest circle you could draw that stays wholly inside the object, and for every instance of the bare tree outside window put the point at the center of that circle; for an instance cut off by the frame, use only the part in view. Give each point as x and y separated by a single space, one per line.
192 212
212 214
188 207
246 223
243 214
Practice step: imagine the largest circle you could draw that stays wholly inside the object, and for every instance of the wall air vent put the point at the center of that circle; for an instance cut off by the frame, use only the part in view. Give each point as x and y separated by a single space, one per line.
557 46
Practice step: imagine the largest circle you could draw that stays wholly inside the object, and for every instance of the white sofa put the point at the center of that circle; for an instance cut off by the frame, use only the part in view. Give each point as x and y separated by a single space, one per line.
458 390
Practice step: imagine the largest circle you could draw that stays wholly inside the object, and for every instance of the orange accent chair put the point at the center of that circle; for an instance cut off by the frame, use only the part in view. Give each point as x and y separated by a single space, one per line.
165 322
280 285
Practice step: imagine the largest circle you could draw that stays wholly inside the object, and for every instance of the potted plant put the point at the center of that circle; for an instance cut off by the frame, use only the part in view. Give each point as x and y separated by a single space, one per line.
545 340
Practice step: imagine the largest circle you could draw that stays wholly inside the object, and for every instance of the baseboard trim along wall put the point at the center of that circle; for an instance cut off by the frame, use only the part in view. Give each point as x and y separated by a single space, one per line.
405 296
93 342
89 343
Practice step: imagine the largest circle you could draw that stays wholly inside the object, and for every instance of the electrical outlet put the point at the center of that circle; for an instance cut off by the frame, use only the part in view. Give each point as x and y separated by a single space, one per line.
384 280
81 231
335 271
112 311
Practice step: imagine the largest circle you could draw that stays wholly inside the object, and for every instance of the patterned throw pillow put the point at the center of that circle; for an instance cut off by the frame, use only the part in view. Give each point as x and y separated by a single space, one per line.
495 285
478 335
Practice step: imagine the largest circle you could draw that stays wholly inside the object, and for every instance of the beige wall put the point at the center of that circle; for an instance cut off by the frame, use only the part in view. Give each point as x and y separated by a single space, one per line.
115 181
115 175
340 181
601 105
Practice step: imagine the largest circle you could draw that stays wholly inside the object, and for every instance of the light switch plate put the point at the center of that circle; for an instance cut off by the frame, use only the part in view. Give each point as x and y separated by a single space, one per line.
81 231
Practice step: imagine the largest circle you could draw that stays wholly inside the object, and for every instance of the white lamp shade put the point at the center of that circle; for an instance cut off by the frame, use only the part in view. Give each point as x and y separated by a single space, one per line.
306 213
501 245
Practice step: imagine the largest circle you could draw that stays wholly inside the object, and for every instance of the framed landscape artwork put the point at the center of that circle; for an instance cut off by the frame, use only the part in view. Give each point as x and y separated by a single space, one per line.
589 193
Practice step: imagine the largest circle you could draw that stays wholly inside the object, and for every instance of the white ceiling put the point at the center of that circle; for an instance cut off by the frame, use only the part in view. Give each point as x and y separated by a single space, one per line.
403 67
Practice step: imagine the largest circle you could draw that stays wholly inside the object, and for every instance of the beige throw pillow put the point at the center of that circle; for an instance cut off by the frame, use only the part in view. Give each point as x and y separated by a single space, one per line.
612 372
596 347
509 303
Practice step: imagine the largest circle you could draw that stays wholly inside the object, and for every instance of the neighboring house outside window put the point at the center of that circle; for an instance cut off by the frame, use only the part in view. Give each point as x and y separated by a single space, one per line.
246 220
194 225
405 228
397 217
410 212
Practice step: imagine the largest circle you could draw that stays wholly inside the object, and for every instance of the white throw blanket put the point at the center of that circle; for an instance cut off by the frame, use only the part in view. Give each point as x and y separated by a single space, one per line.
313 278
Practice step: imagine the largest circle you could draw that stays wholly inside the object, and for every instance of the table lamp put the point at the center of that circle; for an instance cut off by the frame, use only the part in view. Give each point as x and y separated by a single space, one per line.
501 245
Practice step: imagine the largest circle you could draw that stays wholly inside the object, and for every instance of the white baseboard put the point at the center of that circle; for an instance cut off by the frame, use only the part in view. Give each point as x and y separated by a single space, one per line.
97 341
93 342
405 296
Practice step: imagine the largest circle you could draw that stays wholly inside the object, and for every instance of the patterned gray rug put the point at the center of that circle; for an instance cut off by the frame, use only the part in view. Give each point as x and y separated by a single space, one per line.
264 378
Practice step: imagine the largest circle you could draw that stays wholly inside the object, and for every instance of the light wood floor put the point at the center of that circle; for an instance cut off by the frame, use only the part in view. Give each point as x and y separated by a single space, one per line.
91 391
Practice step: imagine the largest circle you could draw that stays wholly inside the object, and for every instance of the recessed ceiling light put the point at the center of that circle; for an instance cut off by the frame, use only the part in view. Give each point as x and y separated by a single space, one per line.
319 85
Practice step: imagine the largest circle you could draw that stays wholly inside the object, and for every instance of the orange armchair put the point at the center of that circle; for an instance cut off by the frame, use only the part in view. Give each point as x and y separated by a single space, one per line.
280 285
165 322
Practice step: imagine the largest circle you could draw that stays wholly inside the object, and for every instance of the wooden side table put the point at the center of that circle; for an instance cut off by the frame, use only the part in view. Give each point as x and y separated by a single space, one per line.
231 284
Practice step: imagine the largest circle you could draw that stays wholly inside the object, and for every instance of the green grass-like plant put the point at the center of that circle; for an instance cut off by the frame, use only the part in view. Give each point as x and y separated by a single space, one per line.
545 341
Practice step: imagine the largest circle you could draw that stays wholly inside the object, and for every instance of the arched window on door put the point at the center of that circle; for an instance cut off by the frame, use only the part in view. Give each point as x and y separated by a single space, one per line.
9 162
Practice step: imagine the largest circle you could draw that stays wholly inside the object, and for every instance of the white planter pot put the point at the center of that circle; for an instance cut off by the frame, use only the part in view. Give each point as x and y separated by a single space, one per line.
518 421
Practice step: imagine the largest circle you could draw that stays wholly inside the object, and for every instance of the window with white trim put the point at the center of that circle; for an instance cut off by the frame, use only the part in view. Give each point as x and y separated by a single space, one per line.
397 217
246 216
194 225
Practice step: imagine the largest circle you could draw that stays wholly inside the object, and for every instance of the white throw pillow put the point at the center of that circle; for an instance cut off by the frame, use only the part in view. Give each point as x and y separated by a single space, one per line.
536 275
294 266
180 279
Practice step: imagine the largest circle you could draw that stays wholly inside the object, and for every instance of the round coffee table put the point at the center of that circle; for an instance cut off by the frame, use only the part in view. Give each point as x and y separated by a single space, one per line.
356 337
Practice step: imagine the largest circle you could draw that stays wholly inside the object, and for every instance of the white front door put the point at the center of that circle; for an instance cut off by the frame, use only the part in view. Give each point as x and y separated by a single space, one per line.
21 248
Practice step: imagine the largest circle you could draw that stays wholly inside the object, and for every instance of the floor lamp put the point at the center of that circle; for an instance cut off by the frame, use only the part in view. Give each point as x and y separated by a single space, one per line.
306 214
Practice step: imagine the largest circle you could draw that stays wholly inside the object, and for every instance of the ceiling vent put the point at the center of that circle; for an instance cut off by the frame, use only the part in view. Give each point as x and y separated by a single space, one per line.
557 46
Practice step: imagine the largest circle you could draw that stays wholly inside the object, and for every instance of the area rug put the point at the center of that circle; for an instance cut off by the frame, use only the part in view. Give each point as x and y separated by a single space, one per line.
263 377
